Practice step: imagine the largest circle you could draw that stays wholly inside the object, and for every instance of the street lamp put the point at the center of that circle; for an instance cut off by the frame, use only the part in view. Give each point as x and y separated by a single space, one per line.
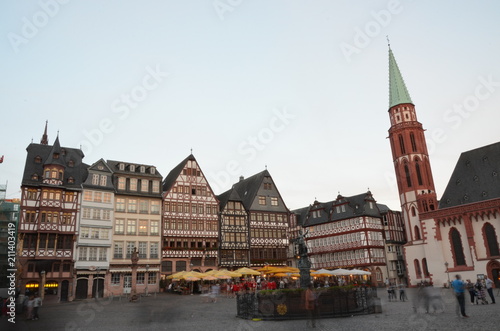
42 290
97 283
447 272
147 273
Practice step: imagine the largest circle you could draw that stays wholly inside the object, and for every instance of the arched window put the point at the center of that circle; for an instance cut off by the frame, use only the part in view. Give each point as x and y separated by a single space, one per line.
491 242
413 211
407 174
378 274
418 272
425 268
417 233
413 144
457 247
419 175
402 144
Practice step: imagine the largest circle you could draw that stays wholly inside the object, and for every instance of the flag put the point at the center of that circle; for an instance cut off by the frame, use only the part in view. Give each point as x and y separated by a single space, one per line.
1 159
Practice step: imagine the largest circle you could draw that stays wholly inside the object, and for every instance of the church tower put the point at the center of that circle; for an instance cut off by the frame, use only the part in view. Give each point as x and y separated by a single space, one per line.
410 156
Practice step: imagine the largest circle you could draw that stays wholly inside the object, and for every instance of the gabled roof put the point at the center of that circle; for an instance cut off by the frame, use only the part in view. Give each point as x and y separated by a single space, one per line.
172 176
475 178
78 171
56 150
398 93
229 195
248 188
354 206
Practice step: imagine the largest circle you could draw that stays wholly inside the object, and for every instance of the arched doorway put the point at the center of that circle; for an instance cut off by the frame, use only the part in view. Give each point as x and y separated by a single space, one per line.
82 287
98 287
493 270
64 290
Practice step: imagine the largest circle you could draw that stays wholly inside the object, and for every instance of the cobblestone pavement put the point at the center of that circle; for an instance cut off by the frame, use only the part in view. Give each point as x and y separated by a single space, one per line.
191 312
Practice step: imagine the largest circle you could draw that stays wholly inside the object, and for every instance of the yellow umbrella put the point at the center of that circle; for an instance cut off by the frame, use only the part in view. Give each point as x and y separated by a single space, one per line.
210 277
191 278
247 271
177 275
281 274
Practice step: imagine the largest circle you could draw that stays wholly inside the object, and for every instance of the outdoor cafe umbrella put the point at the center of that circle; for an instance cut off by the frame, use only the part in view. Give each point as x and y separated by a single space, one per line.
247 271
360 272
177 275
341 272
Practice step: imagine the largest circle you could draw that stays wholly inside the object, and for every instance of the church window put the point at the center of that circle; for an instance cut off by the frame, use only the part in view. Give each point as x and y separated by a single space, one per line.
425 268
402 144
417 233
491 240
419 175
413 212
407 175
413 144
457 247
418 271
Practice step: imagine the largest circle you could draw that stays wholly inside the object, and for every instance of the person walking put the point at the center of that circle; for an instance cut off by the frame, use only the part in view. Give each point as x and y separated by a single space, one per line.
470 287
311 304
458 286
489 288
37 303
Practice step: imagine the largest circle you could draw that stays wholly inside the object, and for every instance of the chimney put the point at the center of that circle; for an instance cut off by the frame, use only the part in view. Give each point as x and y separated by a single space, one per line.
241 178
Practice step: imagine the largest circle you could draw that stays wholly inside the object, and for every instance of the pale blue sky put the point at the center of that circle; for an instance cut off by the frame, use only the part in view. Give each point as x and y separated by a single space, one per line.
232 67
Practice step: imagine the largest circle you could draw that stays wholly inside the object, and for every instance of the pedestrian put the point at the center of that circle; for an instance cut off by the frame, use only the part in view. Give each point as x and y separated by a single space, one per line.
402 294
215 292
311 304
489 288
472 292
37 303
458 286
29 307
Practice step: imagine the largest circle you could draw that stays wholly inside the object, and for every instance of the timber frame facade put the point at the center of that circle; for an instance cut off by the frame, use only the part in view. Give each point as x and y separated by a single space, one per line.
49 212
190 234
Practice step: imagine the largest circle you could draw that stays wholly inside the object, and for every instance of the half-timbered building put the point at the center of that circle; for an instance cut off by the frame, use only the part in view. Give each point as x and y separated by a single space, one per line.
51 188
95 232
190 220
136 228
234 233
269 219
347 233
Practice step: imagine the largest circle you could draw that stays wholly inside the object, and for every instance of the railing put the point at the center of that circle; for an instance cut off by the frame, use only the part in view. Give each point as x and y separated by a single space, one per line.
290 304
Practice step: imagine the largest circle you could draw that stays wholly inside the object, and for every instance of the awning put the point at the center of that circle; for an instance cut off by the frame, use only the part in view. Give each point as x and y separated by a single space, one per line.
129 270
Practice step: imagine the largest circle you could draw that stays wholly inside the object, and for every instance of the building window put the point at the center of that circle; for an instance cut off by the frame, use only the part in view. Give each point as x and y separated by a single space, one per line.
82 254
96 214
93 254
106 198
131 227
140 278
121 183
413 144
94 233
262 200
417 233
102 254
115 279
457 247
119 226
121 166
143 250
84 232
152 278
104 180
413 212
130 249
144 185
120 204
491 243
274 201
132 206
87 196
133 184
86 212
156 186
143 206
143 227
418 272
118 250
153 251
154 228
132 168
106 215
419 175
407 175
401 144
155 207
424 266
142 169
95 179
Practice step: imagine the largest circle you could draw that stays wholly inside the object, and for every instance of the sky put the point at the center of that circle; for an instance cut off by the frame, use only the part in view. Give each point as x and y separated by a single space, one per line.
299 87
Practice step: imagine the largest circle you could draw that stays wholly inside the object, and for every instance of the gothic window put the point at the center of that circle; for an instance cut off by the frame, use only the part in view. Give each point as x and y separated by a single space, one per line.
456 247
425 268
418 271
413 212
417 233
491 243
402 144
407 175
412 141
419 175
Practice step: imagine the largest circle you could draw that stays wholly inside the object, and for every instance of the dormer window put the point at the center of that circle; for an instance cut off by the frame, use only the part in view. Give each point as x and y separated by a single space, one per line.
132 167
63 151
55 156
38 159
121 166
142 169
152 170
71 163
71 180
34 177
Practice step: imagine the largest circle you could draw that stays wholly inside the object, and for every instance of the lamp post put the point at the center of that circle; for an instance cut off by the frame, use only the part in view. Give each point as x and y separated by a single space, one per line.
447 272
147 281
97 283
42 288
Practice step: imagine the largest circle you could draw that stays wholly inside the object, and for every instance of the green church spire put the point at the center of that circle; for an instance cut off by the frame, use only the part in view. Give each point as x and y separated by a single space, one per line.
398 93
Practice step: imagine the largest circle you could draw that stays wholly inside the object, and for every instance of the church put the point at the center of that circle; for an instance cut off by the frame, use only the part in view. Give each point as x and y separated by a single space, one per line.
458 233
